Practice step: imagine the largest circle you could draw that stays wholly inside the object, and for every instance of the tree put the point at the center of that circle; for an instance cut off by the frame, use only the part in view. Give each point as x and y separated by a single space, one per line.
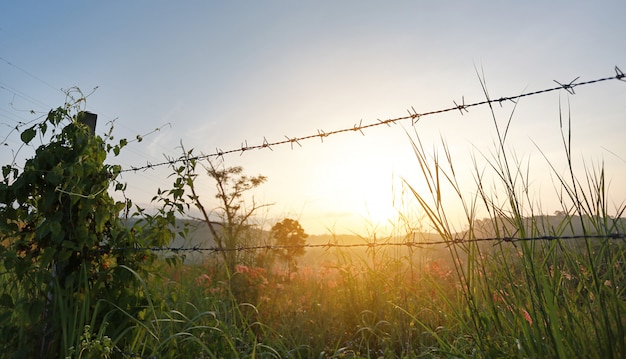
229 221
231 184
291 235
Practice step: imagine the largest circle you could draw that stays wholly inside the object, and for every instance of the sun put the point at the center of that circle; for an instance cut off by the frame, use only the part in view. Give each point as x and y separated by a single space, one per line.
378 210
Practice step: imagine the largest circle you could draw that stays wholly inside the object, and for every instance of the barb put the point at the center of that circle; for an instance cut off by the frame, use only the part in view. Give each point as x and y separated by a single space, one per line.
266 144
620 75
292 140
244 148
359 127
461 107
413 115
322 134
568 87
503 99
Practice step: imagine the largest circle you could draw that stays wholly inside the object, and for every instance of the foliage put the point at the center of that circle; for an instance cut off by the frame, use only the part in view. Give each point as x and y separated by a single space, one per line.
91 347
291 235
229 222
59 229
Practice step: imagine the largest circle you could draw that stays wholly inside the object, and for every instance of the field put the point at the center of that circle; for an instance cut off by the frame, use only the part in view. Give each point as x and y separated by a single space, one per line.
529 299
517 284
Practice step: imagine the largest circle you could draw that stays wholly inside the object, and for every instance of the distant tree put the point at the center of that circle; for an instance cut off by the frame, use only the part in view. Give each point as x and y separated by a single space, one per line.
290 234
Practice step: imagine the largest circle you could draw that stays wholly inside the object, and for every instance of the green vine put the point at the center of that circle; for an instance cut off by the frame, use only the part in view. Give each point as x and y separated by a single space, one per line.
60 231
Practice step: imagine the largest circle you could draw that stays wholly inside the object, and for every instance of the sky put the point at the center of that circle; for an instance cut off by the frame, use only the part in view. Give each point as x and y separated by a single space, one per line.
217 76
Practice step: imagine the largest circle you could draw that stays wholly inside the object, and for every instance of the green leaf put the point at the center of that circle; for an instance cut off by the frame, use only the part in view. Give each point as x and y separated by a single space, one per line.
43 127
6 170
6 301
55 176
28 135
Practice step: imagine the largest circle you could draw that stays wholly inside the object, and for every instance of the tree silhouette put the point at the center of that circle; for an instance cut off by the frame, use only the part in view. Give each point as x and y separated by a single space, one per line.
290 234
229 221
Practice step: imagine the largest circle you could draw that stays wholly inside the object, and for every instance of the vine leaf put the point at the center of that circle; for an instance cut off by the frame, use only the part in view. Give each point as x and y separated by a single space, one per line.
28 135
6 300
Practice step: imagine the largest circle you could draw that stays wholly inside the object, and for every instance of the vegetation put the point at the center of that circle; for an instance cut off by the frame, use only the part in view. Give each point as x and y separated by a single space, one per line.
60 273
469 298
229 223
291 236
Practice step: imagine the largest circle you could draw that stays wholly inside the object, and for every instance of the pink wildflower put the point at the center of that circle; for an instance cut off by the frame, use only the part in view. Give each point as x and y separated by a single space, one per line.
240 268
331 284
527 317
203 280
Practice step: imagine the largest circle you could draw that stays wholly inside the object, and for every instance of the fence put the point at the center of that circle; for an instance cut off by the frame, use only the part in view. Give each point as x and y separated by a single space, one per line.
414 117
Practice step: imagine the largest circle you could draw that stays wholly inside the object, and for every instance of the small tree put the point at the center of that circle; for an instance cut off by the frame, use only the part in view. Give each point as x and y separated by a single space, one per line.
291 235
231 184
229 222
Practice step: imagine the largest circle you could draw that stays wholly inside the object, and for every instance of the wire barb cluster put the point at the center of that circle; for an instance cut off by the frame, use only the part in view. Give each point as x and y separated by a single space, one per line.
413 115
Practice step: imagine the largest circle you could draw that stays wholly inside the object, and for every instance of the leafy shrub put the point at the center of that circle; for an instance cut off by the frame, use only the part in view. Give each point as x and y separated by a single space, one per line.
61 234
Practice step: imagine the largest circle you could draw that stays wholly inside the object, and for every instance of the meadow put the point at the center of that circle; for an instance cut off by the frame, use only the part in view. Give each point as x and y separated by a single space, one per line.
518 283
544 298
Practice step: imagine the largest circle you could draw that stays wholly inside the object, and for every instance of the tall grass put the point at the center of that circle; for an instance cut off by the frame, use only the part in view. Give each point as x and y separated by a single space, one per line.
469 299
534 298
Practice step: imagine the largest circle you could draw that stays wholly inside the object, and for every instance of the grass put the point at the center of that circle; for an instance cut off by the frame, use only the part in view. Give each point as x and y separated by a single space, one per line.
468 299
534 298
345 307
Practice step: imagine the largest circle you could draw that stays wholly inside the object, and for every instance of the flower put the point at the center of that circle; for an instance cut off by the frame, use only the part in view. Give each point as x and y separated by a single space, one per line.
331 284
527 316
203 280
240 268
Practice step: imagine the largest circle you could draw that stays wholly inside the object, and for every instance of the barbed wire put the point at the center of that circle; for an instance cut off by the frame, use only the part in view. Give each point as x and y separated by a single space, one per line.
368 244
413 115
409 244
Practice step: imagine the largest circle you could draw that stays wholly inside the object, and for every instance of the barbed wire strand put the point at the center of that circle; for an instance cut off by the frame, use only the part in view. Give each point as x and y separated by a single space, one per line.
410 244
413 115
329 245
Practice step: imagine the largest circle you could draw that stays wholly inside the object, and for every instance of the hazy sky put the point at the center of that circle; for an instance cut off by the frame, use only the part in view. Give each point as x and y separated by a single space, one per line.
221 74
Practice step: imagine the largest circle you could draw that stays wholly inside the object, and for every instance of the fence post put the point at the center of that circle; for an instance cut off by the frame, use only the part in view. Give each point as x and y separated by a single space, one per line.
89 119
58 271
